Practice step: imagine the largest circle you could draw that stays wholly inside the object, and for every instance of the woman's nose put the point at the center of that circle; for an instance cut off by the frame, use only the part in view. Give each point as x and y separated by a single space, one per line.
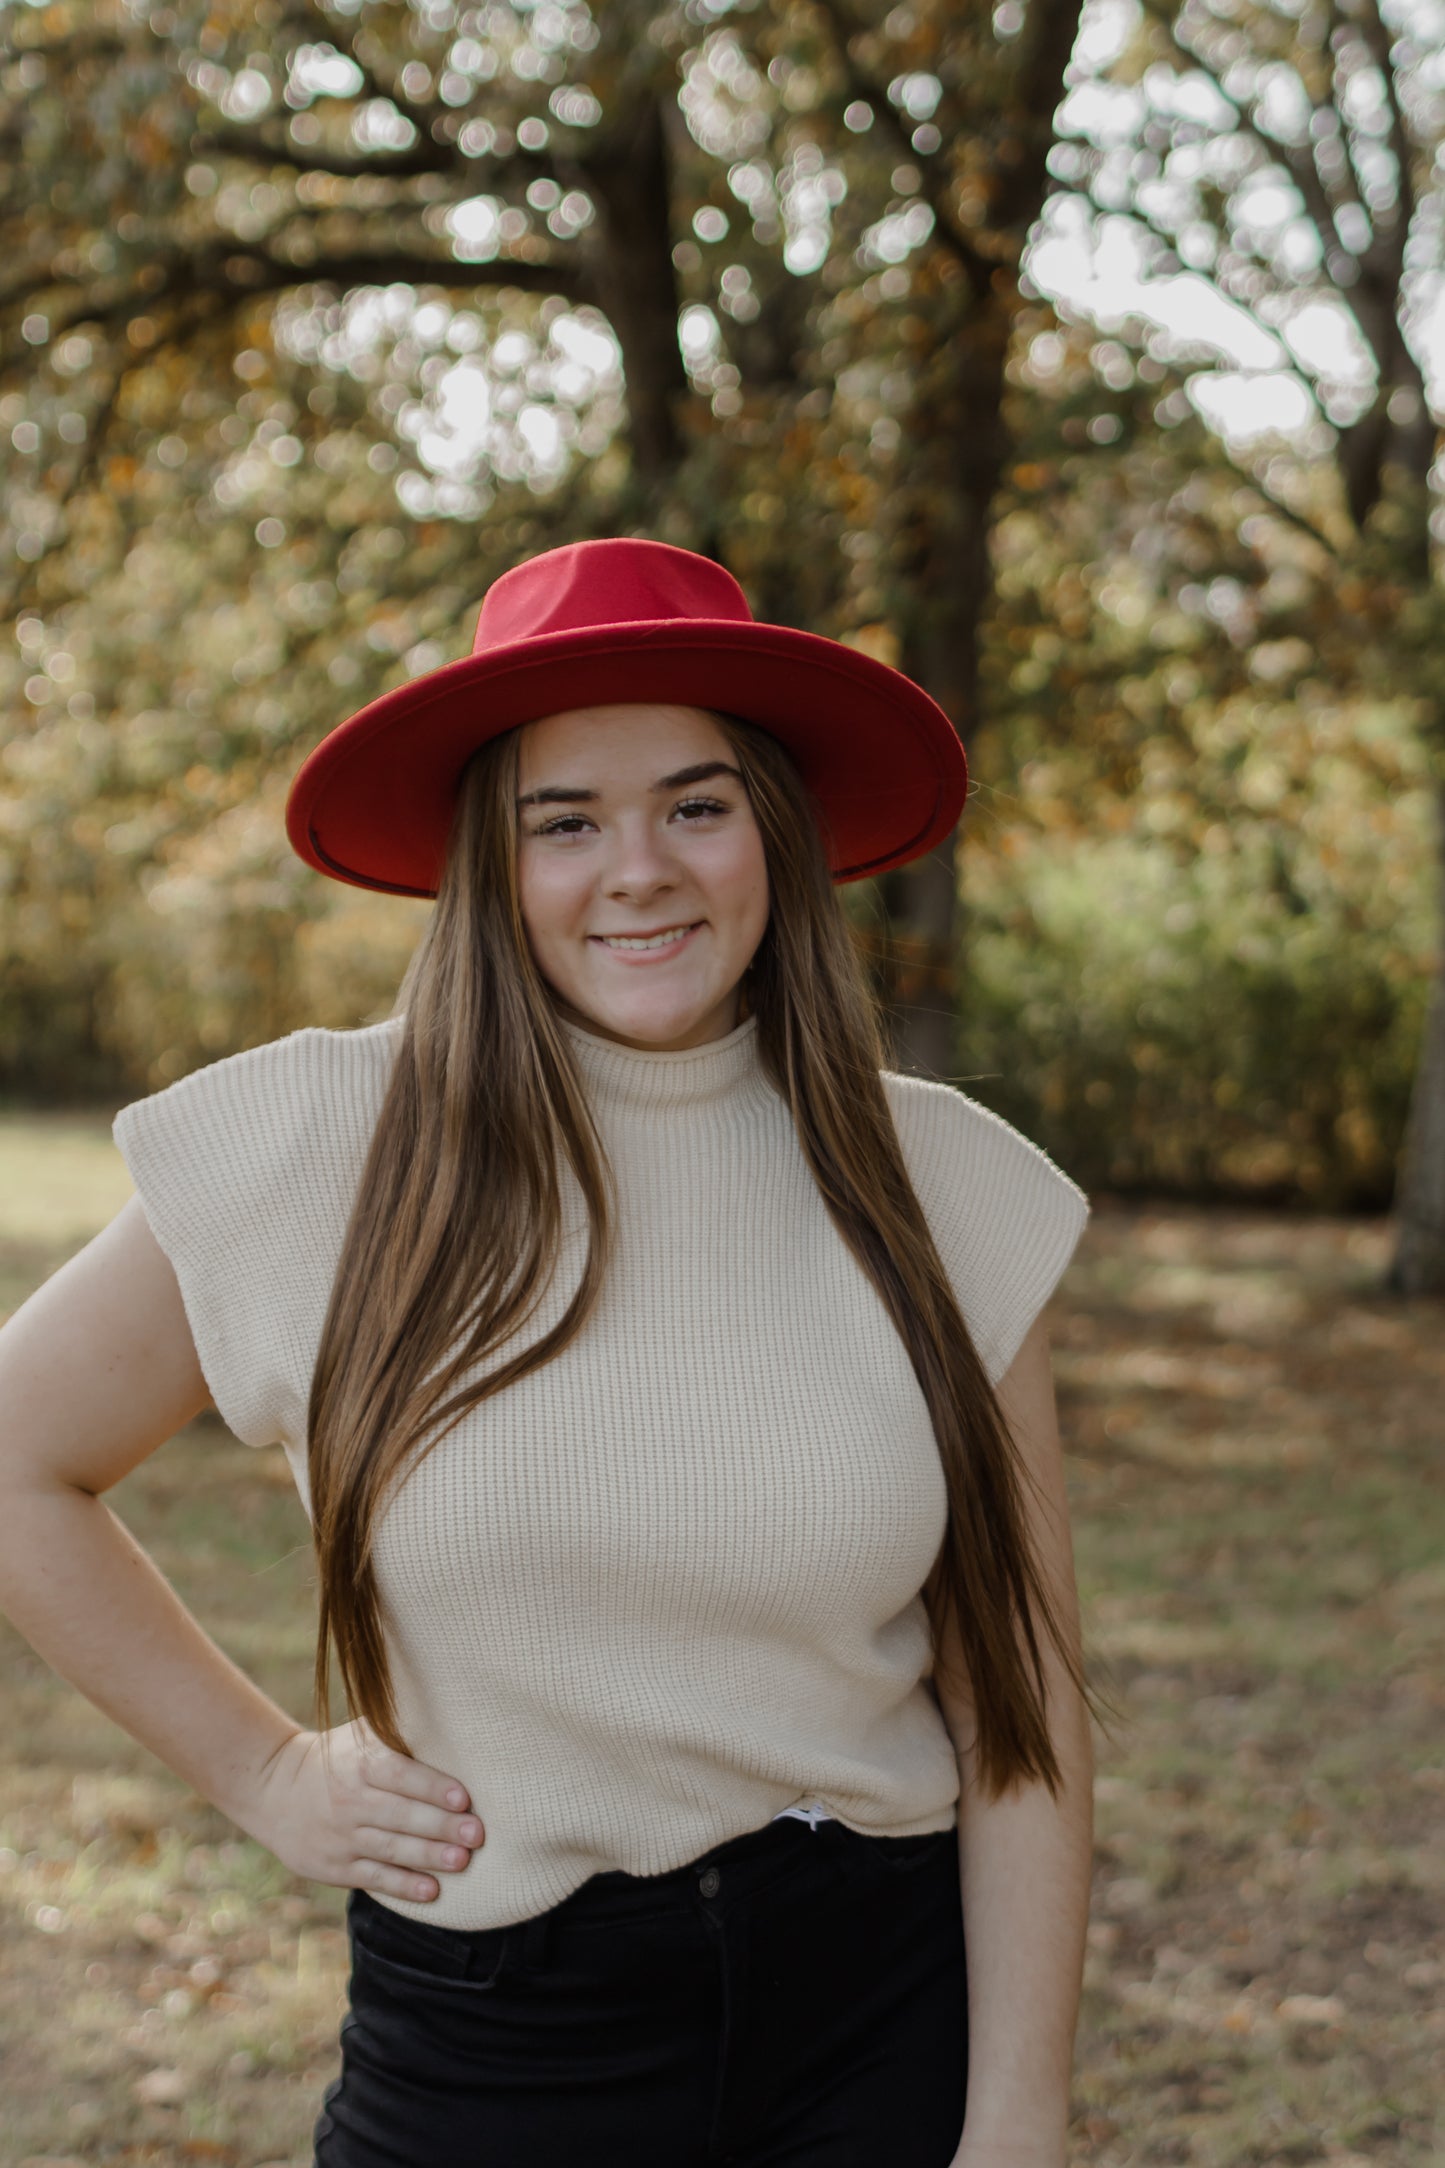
642 856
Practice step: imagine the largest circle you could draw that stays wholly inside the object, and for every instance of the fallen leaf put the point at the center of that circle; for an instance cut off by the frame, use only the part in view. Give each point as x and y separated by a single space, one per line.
1312 2009
161 2088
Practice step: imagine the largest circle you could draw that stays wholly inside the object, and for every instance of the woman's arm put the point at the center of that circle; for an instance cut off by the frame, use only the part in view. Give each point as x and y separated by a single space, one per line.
97 1370
1026 1860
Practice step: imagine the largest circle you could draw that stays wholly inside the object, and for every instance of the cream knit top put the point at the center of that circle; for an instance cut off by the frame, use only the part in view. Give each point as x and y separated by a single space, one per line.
669 1585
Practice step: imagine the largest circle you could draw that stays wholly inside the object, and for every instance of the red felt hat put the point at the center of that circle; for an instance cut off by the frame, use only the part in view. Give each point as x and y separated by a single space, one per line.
621 620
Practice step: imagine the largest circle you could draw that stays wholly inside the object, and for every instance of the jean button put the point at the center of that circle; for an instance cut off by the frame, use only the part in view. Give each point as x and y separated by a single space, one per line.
710 1883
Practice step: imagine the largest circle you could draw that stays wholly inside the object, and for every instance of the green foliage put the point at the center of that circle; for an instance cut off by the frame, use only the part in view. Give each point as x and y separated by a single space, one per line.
1197 1027
1198 863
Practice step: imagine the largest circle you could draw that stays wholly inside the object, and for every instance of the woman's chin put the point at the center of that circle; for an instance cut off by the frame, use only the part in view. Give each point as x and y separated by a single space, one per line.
660 1017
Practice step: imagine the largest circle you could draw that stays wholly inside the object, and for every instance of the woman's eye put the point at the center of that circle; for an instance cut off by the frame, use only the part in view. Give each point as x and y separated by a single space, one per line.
561 825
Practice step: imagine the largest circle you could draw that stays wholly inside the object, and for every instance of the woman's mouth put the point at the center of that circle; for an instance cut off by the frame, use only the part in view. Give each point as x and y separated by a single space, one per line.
634 949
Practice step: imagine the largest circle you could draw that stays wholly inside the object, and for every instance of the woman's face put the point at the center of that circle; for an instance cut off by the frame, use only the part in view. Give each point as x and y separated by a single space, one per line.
628 840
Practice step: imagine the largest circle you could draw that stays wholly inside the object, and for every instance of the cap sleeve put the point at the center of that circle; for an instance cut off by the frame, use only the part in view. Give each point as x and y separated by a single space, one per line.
213 1158
1005 1218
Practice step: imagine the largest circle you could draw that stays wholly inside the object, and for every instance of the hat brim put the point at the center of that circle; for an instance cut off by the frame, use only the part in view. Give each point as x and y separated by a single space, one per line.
373 803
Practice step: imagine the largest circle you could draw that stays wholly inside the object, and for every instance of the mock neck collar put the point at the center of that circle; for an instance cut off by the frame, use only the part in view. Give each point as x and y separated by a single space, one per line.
723 1073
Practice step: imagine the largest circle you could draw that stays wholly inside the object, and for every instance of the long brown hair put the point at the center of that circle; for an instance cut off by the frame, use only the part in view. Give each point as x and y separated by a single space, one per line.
456 1225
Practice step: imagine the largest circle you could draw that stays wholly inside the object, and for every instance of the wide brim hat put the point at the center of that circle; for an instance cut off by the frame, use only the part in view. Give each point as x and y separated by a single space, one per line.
622 619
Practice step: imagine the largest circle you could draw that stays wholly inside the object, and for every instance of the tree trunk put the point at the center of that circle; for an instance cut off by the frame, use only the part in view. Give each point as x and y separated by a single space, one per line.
1418 1265
921 902
959 444
630 258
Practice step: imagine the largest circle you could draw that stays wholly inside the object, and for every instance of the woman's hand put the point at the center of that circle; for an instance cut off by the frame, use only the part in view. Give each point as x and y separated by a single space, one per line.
339 1806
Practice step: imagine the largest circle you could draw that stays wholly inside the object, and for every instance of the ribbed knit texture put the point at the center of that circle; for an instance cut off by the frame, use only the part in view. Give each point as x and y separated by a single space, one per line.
670 1584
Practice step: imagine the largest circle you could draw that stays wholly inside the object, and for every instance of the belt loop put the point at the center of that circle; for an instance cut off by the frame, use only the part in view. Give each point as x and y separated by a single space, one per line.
536 1937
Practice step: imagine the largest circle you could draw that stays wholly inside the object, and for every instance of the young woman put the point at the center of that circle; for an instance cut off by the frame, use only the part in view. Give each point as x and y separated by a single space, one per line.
666 1385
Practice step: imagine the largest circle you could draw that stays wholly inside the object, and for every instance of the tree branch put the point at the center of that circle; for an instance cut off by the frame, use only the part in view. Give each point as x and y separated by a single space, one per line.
77 45
1045 48
1286 511
345 41
87 461
257 148
236 274
1376 40
1338 30
382 267
1298 163
493 167
977 268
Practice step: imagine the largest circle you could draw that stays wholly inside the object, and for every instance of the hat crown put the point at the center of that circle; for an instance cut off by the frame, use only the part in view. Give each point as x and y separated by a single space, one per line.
612 580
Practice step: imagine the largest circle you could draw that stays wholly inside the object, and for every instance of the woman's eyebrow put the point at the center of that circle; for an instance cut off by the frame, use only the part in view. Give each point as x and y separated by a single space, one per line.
572 794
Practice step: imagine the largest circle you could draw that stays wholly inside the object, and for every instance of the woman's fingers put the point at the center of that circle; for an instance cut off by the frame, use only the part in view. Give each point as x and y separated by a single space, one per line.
397 1775
374 1874
400 1850
414 1817
417 1817
393 1772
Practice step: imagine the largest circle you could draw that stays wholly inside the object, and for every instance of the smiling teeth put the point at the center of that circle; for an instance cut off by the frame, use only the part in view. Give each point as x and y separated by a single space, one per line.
658 940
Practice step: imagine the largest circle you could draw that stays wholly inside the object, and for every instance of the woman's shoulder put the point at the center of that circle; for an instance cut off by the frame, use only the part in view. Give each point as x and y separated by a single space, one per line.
1005 1217
945 1135
309 1057
313 1091
246 1168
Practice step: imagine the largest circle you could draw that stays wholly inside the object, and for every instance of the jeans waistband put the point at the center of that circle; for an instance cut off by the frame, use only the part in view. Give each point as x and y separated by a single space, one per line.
745 1865
614 1894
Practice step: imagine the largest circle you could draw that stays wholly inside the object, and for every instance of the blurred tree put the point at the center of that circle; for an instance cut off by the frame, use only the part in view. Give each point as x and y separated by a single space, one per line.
1286 160
1188 715
972 123
279 189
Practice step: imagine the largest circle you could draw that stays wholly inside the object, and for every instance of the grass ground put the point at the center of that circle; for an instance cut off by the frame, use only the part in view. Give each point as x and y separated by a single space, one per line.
1259 1512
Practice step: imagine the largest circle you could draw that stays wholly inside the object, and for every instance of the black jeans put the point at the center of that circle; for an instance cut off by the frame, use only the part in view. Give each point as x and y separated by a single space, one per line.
795 1998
